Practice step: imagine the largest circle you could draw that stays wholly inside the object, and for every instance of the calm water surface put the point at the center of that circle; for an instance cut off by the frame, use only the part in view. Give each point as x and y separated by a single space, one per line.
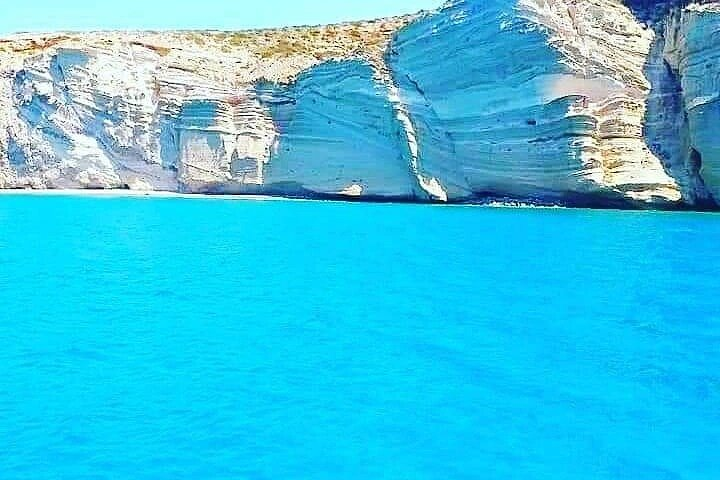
215 339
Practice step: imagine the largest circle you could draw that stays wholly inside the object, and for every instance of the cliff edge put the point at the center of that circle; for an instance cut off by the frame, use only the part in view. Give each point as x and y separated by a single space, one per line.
577 102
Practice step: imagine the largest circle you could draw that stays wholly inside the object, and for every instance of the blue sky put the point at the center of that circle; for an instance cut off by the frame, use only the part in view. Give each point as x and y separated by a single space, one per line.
49 15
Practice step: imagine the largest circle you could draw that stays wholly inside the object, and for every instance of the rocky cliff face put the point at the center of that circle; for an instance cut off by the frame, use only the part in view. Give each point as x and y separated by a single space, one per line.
582 102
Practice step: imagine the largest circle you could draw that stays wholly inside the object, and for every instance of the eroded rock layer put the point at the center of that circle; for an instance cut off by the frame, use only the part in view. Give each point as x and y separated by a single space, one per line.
581 102
692 53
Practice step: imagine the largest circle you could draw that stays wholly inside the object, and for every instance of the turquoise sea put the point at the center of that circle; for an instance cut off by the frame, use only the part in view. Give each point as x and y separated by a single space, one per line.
150 338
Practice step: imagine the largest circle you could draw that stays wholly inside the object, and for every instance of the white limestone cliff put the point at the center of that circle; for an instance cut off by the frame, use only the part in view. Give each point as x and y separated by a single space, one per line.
580 102
692 53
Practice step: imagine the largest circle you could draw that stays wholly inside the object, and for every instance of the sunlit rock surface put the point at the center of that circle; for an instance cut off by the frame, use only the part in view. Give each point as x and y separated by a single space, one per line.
532 99
337 134
582 102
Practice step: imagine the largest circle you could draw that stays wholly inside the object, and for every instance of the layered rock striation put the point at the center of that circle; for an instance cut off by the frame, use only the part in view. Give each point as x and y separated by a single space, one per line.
577 102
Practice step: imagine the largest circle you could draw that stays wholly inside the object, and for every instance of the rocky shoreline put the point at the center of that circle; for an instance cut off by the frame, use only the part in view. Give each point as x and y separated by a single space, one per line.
589 103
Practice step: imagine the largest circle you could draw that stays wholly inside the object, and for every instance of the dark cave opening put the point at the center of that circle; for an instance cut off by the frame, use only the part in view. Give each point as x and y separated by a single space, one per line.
694 163
704 199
